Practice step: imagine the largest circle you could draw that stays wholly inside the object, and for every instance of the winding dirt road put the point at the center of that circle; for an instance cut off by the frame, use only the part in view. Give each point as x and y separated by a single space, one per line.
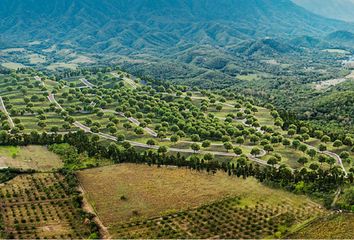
87 83
3 109
338 158
129 81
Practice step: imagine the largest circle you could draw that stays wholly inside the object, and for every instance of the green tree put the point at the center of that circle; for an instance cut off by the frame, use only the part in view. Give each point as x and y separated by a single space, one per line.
337 143
291 132
272 161
303 147
206 144
295 144
151 142
286 142
195 138
139 131
331 161
303 160
240 140
120 137
228 146
325 139
322 147
218 107
255 151
237 150
195 147
208 157
268 148
254 139
162 149
312 153
174 138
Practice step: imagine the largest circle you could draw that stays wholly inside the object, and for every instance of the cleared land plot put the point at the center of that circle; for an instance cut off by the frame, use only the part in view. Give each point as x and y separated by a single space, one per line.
62 65
36 58
29 157
332 82
335 50
129 192
13 65
338 226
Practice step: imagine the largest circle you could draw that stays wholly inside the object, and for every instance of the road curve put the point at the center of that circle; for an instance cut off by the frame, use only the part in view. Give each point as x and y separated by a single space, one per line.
330 154
52 100
3 109
87 83
338 158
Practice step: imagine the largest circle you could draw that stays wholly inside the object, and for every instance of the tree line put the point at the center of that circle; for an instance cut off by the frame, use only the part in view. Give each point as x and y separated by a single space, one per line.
301 181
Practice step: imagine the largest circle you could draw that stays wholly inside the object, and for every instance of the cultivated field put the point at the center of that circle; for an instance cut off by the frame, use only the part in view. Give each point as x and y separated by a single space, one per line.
138 201
40 206
337 226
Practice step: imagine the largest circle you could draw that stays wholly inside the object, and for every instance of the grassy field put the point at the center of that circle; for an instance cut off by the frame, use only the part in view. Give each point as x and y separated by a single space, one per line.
12 65
332 227
36 58
129 193
62 65
29 157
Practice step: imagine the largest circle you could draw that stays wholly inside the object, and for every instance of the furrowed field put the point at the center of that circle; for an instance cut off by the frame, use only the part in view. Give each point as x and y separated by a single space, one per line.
40 206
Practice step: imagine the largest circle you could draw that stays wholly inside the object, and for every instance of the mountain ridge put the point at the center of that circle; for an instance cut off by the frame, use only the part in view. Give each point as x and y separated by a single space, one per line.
114 25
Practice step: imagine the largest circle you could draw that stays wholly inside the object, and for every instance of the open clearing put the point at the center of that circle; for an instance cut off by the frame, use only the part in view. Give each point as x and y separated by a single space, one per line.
36 58
62 65
129 192
11 50
332 227
12 65
332 82
336 50
29 157
81 59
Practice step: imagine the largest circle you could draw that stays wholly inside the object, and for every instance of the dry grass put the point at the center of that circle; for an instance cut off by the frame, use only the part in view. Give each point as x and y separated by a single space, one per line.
12 65
152 191
29 157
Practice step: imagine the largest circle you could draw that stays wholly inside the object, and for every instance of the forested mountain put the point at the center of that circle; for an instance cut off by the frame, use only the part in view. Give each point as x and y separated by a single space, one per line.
336 9
134 25
204 43
344 37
